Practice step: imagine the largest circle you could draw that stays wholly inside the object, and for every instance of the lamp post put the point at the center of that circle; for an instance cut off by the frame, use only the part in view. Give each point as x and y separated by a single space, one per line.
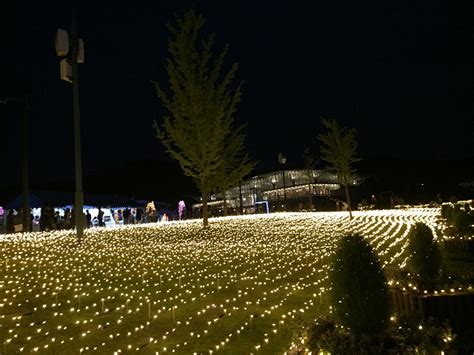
70 72
282 161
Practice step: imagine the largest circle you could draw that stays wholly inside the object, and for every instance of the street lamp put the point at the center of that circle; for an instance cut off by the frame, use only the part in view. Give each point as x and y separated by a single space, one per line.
282 161
70 73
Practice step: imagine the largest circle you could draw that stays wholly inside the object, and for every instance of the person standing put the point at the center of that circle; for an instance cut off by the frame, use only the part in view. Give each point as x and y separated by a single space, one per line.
88 218
42 220
10 222
100 217
72 223
31 221
139 215
67 218
57 220
126 215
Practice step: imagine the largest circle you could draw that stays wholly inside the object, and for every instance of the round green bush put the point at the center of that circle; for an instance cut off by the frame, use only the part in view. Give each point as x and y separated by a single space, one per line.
454 213
444 210
359 290
449 214
425 257
461 221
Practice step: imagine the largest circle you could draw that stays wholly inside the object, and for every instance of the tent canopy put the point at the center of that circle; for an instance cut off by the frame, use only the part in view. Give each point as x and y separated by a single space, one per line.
61 199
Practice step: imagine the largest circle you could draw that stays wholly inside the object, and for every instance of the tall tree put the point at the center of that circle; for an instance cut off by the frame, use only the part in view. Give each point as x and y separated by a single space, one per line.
309 161
200 102
339 150
236 164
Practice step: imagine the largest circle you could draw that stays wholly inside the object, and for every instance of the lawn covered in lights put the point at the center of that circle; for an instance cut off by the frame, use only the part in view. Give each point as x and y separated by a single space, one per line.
234 288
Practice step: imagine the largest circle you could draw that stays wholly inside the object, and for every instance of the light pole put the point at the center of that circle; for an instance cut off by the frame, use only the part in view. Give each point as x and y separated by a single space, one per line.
282 161
24 162
70 73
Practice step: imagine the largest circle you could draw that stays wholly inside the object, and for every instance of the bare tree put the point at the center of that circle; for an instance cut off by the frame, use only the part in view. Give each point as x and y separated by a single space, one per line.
200 102
339 150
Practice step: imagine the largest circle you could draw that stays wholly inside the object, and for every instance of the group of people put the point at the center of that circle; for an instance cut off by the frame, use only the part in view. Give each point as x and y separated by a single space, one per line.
56 219
48 220
14 220
125 216
51 219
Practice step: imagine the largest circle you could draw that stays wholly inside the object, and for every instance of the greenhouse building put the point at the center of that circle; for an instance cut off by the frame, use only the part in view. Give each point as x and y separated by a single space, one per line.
284 190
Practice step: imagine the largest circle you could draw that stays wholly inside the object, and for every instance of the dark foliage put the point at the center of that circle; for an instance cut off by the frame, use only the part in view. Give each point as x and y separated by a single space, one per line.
464 342
444 211
456 210
449 214
359 291
321 334
461 221
425 260
408 336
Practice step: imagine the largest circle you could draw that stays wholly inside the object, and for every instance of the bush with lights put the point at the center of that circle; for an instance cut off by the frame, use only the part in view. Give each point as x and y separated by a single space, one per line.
403 336
444 210
425 259
462 221
359 291
174 288
449 214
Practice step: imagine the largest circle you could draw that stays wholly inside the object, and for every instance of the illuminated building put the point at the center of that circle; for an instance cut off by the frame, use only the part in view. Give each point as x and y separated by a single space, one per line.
290 190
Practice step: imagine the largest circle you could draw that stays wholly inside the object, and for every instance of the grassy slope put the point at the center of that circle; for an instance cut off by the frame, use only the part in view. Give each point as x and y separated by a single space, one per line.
273 268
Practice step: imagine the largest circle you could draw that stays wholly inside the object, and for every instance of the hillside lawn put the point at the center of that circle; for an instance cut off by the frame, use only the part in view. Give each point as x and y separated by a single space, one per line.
238 287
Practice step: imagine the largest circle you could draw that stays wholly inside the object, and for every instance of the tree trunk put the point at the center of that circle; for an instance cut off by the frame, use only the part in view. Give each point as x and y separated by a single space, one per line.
348 200
205 212
241 199
310 189
225 203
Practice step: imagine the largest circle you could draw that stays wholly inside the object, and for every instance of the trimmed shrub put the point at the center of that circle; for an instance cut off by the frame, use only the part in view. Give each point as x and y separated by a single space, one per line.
461 221
454 213
449 214
359 291
400 201
321 334
425 257
407 336
444 210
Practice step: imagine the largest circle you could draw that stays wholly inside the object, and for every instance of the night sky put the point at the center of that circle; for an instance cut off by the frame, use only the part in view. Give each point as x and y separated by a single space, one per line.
402 74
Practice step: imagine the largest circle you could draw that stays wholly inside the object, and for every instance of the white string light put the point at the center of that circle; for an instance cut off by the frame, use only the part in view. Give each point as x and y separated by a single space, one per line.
173 287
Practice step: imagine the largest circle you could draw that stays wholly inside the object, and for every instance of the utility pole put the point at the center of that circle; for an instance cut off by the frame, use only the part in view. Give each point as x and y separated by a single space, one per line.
79 203
70 72
24 167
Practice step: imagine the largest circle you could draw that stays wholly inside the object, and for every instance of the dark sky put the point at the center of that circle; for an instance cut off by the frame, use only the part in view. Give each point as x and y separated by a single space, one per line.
400 72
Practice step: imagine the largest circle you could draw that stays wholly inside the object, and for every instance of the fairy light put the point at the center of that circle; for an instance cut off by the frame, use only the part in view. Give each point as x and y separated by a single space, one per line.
177 288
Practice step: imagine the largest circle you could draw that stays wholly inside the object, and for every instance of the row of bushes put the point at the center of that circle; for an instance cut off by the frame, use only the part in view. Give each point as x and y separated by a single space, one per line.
359 298
359 283
403 336
458 216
